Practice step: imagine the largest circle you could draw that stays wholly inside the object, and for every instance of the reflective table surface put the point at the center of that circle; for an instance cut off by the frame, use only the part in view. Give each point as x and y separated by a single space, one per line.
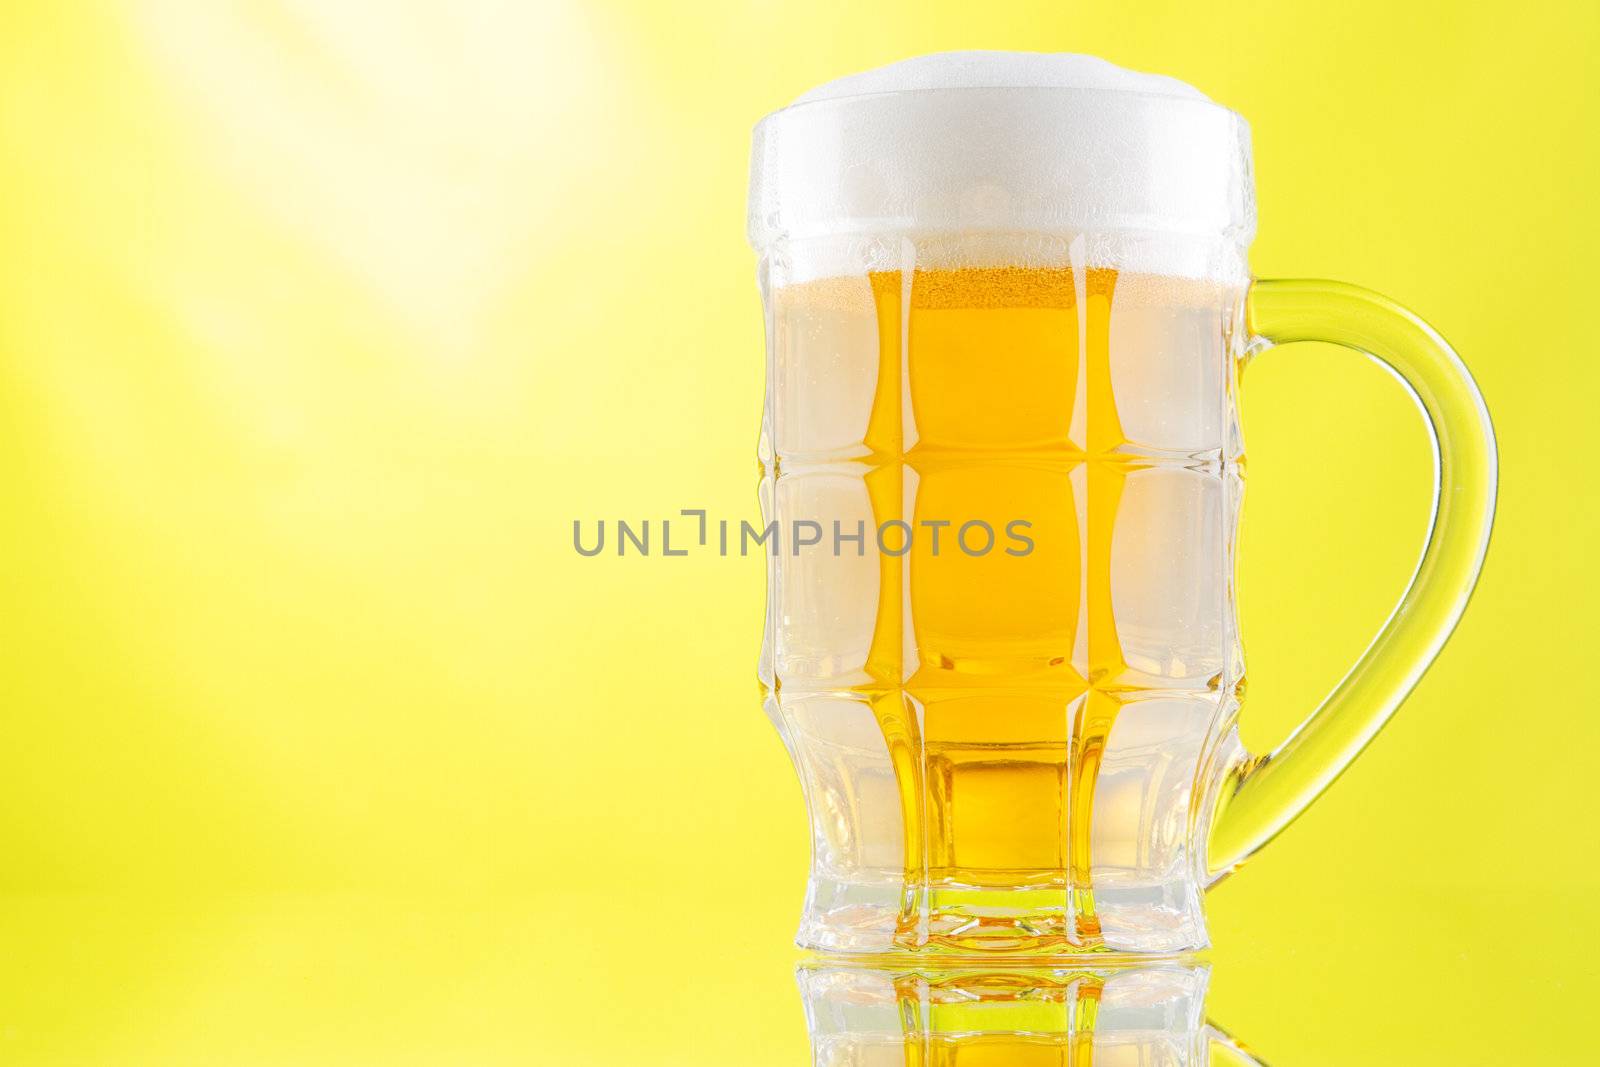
334 979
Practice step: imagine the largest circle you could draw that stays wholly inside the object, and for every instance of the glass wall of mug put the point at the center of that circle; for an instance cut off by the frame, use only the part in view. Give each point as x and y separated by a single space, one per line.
1001 643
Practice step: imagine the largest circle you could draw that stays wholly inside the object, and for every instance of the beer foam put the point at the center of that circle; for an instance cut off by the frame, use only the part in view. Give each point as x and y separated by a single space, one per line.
1001 70
1145 169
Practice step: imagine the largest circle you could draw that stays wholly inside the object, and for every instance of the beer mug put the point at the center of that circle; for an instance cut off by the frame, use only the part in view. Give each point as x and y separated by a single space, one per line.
1047 1016
1007 304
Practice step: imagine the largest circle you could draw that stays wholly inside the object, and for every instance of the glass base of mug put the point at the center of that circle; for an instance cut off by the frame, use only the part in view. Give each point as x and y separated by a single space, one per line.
888 917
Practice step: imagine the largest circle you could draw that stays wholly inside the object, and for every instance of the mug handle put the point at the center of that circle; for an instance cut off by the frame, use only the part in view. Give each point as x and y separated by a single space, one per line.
1260 795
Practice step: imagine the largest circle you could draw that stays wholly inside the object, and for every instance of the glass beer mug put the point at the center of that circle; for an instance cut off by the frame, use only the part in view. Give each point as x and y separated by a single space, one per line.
1007 304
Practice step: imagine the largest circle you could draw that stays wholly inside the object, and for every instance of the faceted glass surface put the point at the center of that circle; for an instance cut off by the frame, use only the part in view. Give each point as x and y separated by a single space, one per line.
1000 640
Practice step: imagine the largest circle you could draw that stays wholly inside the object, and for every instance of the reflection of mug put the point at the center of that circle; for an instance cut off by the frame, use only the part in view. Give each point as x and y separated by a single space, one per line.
1105 1016
1007 305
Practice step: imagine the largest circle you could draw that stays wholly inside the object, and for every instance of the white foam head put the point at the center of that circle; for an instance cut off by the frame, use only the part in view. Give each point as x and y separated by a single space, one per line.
1154 173
1001 70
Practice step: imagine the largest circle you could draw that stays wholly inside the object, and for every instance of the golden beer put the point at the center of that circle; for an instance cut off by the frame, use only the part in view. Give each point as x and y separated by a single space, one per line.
990 683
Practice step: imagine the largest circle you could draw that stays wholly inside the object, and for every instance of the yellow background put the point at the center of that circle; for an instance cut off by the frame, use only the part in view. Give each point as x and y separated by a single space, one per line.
320 322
